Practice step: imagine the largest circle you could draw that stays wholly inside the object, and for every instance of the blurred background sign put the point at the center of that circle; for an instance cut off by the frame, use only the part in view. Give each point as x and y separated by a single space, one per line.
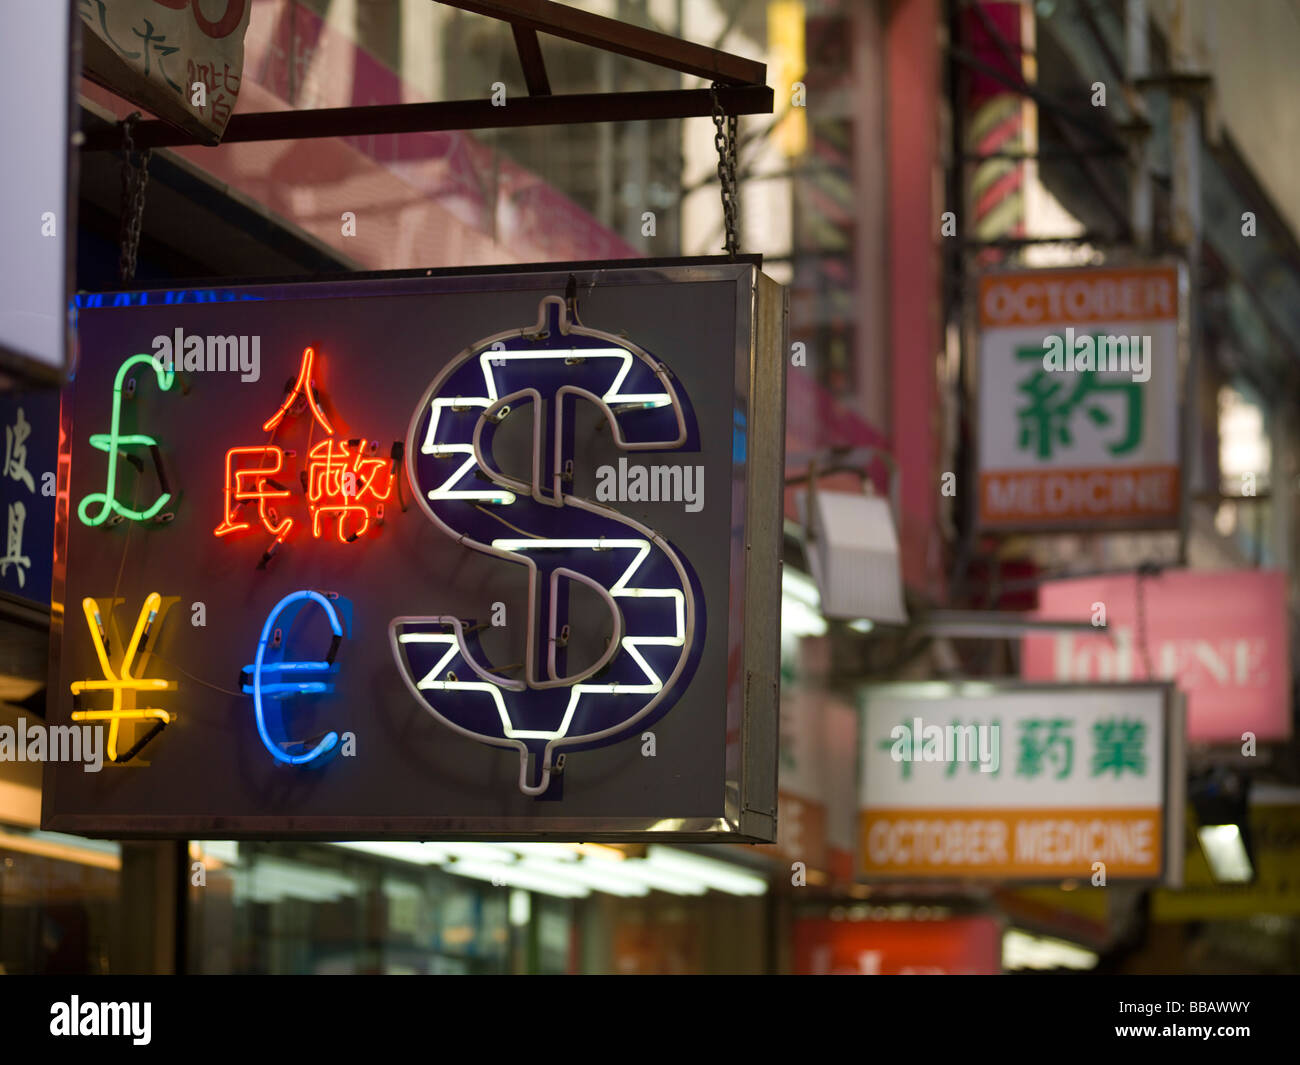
959 946
1275 890
1080 446
978 779
1232 661
818 774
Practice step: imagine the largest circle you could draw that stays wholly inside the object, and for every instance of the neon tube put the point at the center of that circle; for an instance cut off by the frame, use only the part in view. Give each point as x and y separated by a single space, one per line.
125 682
284 689
111 441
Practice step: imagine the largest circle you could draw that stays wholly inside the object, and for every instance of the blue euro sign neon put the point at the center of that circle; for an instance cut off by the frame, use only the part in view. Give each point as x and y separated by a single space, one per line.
653 617
290 676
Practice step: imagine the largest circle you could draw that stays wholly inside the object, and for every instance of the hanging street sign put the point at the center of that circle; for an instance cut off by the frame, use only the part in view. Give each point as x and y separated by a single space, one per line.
1079 385
465 556
181 59
995 780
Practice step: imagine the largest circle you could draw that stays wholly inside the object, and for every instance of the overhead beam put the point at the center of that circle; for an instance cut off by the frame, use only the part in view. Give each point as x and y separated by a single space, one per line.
530 58
569 109
543 16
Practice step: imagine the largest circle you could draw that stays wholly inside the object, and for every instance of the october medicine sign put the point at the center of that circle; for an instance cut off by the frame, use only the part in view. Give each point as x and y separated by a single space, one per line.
430 557
1080 372
990 780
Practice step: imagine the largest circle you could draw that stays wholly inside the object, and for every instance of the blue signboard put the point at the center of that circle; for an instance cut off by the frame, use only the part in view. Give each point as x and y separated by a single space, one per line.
31 446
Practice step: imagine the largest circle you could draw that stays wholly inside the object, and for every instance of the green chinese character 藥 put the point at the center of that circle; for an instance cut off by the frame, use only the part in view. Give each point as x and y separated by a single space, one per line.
1119 745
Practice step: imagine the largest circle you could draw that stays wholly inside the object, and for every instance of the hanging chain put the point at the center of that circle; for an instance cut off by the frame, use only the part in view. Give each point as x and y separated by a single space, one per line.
135 176
724 140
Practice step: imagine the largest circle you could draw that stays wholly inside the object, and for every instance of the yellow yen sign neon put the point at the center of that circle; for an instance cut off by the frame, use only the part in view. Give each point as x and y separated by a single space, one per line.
124 686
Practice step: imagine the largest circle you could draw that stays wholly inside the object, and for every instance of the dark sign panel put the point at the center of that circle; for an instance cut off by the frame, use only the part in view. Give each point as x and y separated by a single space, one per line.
490 555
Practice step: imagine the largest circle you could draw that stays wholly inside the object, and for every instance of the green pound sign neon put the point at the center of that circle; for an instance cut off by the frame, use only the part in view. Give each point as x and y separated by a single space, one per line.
111 442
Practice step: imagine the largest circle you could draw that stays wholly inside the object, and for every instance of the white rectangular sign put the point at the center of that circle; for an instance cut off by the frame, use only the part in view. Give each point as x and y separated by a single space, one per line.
1078 397
975 779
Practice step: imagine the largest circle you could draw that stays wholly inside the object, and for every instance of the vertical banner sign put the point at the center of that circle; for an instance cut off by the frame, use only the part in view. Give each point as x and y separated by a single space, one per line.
426 558
818 779
1007 783
1079 375
29 422
181 59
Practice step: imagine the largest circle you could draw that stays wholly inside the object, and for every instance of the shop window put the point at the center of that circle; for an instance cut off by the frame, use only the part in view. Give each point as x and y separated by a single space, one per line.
59 910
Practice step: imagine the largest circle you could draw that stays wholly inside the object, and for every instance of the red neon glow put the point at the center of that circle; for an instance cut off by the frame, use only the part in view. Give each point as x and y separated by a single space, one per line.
238 492
338 481
302 387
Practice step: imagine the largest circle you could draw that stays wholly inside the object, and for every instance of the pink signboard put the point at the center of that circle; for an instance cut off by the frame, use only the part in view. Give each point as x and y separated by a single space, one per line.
1221 636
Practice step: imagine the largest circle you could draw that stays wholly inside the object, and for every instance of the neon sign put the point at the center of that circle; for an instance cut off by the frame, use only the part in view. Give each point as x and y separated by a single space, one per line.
557 627
123 685
238 492
342 480
291 674
337 482
653 618
113 441
303 390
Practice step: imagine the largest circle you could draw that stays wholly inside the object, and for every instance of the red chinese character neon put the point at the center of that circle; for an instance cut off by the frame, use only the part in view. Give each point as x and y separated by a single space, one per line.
302 388
339 480
238 493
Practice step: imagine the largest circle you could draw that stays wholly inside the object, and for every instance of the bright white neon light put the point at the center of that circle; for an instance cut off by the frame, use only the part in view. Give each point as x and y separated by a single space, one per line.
489 361
491 407
429 447
612 395
452 641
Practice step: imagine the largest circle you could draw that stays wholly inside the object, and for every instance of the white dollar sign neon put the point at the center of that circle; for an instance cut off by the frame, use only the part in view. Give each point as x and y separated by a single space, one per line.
640 578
